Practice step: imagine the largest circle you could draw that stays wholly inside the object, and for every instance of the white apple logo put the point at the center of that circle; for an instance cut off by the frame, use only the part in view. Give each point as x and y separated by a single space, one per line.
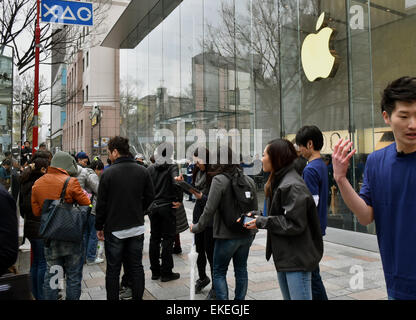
318 61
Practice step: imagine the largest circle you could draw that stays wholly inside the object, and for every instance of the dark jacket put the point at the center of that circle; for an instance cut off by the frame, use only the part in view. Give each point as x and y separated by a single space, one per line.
124 193
181 220
32 222
163 177
293 231
202 185
9 245
25 155
220 199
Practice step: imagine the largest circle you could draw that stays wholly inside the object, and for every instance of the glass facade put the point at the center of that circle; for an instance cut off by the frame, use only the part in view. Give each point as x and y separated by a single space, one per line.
6 99
237 64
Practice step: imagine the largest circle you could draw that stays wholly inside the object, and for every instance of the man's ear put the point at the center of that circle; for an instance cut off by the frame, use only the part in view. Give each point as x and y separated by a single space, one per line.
309 144
386 117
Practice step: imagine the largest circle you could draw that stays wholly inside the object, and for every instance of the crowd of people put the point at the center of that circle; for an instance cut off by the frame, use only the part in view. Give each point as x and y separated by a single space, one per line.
226 215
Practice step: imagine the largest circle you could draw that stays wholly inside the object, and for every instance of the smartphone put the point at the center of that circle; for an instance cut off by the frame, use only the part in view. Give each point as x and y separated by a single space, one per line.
247 219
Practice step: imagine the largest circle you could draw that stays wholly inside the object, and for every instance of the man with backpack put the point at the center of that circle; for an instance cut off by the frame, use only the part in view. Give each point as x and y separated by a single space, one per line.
231 194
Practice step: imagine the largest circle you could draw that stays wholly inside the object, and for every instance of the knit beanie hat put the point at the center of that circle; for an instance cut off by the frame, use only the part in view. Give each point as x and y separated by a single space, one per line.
64 160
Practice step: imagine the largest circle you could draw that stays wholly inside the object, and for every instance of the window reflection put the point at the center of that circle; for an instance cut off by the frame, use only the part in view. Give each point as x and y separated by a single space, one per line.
236 64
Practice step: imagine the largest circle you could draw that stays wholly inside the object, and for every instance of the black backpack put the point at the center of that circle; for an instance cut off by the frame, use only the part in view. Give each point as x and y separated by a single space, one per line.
244 196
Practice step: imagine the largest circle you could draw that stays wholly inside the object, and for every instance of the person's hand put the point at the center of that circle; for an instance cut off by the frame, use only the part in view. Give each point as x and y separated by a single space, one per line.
341 158
180 178
176 205
190 227
251 224
100 235
197 195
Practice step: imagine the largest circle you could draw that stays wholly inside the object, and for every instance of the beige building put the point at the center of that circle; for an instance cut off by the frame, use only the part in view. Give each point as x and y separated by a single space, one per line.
93 79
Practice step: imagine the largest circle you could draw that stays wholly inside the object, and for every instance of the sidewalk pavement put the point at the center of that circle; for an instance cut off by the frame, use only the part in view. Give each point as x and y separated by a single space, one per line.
339 267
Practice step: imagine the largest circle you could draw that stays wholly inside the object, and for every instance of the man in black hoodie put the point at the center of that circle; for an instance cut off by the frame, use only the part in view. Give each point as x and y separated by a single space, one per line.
124 194
168 197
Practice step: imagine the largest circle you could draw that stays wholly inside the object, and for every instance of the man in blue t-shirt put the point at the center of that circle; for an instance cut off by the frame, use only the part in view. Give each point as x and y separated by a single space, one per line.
310 142
388 194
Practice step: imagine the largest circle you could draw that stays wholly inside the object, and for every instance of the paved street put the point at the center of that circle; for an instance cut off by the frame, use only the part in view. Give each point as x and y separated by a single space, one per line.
338 267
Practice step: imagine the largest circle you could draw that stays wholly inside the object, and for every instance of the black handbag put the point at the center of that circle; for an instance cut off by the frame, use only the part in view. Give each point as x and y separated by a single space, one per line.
63 221
16 287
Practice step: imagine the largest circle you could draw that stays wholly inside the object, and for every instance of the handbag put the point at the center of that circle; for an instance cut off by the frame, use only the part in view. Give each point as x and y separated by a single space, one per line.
15 287
63 221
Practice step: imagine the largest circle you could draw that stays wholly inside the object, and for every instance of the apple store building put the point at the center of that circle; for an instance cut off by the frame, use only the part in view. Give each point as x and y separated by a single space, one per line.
262 69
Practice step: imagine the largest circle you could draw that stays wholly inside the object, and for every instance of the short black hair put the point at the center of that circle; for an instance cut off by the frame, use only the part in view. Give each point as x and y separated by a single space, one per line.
97 164
119 143
6 162
402 89
307 133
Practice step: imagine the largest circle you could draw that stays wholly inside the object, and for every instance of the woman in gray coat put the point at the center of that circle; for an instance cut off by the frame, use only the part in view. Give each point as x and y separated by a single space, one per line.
92 180
293 231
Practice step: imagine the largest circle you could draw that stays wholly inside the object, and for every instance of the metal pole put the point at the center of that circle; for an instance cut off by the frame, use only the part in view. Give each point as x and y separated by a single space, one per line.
99 131
92 138
21 129
36 101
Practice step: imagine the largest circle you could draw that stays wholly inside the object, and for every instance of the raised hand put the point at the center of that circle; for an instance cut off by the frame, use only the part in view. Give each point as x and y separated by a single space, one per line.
341 158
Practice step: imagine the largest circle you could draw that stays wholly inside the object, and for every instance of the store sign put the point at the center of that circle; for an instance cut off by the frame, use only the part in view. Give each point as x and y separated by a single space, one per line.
67 12
104 142
318 60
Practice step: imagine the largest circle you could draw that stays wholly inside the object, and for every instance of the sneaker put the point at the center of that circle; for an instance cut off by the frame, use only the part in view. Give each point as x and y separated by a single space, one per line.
177 250
127 294
96 261
201 284
211 295
170 277
155 276
25 247
99 260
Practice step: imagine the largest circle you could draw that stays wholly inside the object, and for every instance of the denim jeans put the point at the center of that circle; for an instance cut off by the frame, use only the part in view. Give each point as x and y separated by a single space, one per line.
90 240
238 250
295 285
318 289
162 232
62 256
128 252
38 267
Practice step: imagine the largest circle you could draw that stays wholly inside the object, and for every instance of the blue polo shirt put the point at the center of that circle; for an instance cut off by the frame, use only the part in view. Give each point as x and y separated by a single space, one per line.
315 175
389 187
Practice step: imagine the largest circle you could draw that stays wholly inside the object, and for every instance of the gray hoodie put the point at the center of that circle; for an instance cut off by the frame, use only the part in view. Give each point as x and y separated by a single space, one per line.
89 181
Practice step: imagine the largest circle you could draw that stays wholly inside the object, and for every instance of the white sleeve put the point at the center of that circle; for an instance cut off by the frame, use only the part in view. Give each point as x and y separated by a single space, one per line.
316 199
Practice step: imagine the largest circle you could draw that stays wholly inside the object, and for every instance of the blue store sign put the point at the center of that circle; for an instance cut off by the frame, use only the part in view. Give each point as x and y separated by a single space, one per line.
67 12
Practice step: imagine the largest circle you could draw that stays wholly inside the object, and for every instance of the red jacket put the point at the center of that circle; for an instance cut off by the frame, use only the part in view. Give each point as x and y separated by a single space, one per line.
50 185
